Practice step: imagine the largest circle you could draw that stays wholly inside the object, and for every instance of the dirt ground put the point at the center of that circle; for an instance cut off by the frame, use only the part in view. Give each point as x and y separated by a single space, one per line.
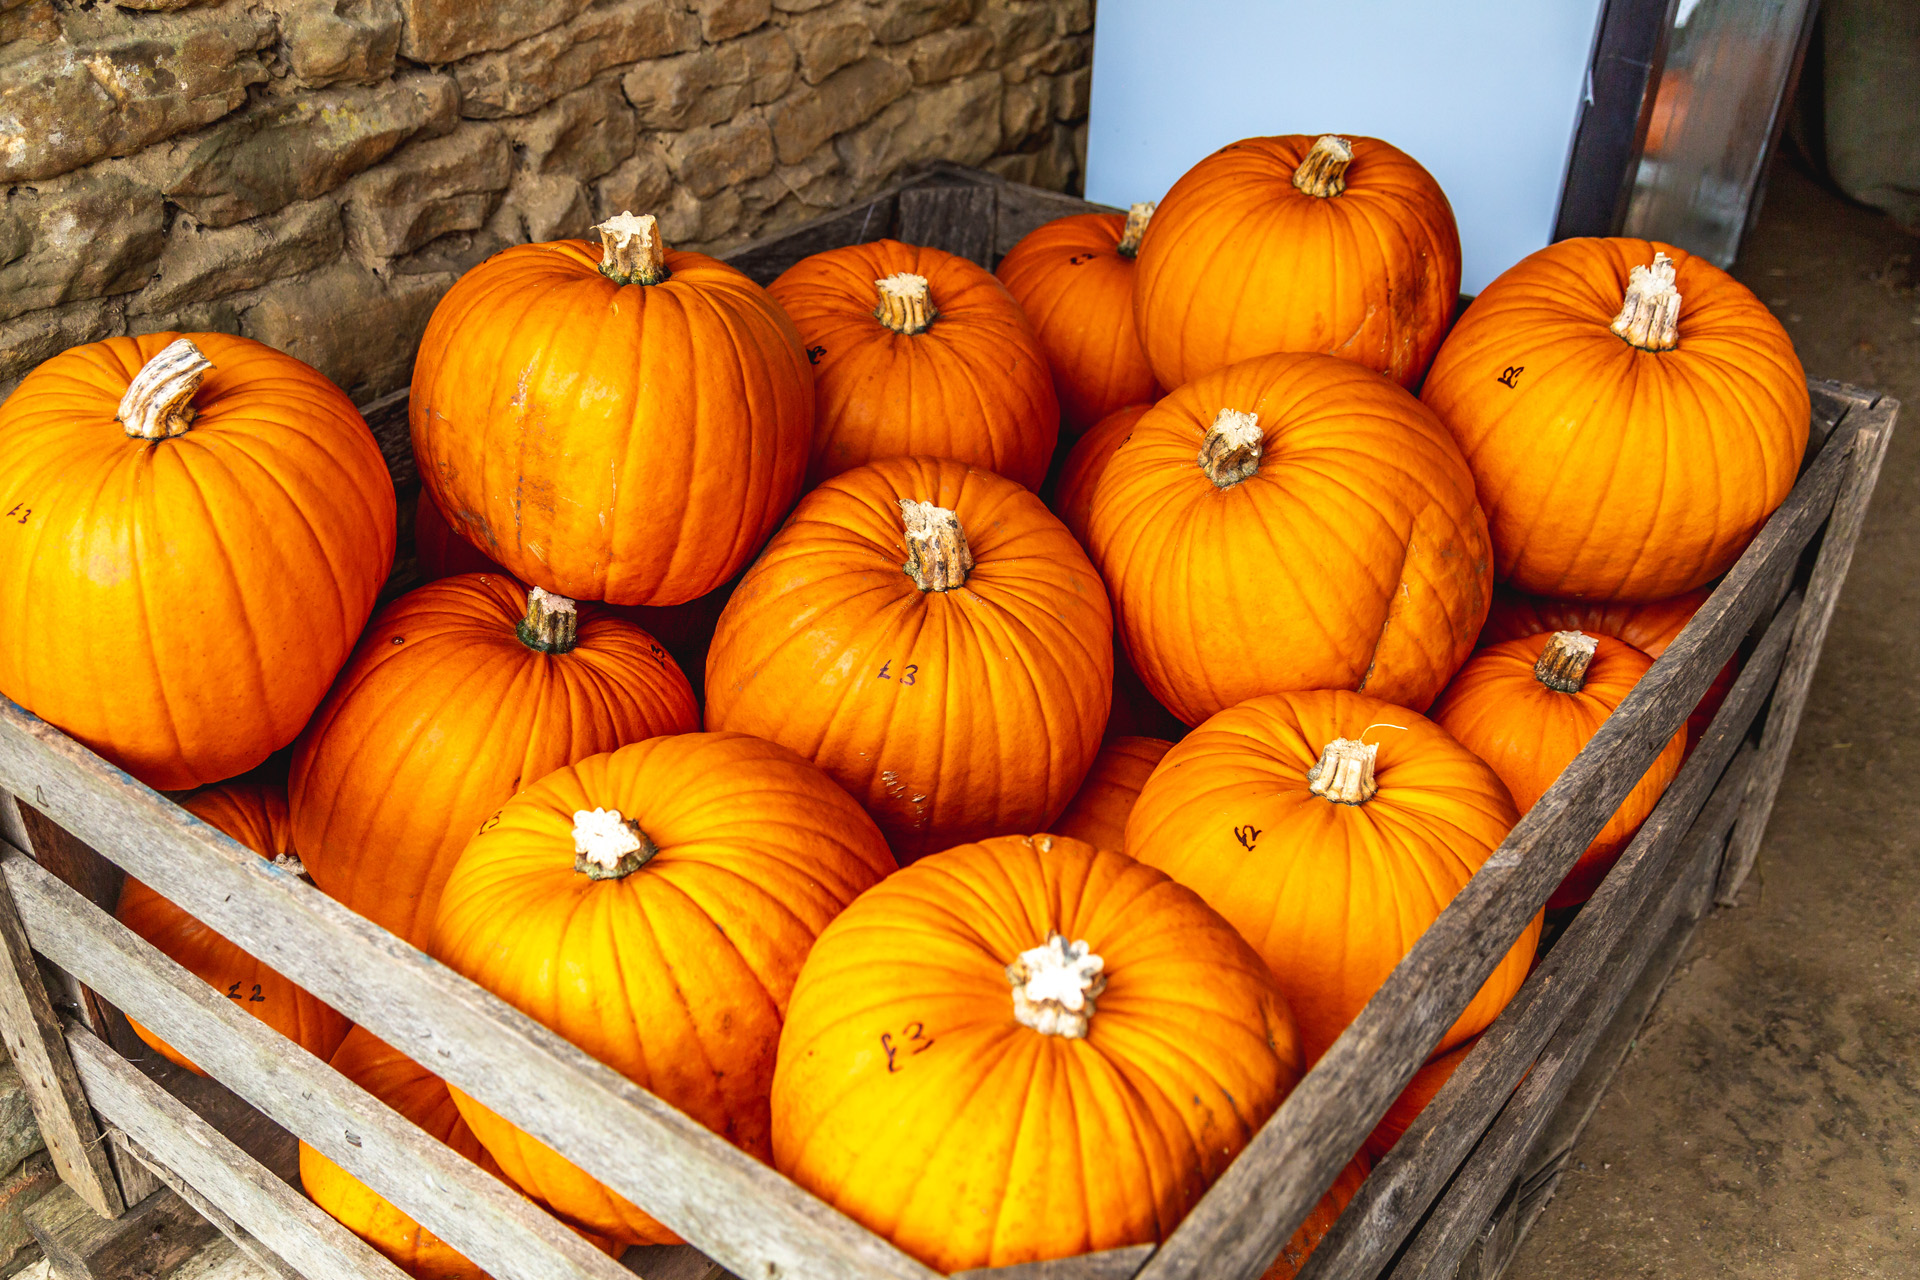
1767 1123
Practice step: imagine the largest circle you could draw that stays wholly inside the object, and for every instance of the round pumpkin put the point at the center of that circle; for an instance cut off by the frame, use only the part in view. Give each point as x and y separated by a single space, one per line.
1632 415
192 533
930 635
623 423
1098 813
1528 706
1413 1099
1320 1221
1340 245
462 692
255 814
1087 462
1074 279
437 549
1331 829
979 1061
916 351
653 905
1328 538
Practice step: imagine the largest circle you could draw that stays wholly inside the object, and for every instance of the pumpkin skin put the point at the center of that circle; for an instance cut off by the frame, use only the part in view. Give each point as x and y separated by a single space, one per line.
951 715
909 1097
1332 895
1098 814
1529 733
1080 474
1320 1221
1075 282
1238 262
222 574
438 550
442 714
255 814
1553 443
627 443
1354 557
1413 1099
974 386
678 974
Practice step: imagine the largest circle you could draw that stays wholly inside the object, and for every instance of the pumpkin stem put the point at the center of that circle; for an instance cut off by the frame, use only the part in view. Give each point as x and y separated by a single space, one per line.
1344 772
938 558
607 846
905 305
159 401
291 862
552 623
1055 986
1650 315
1138 215
631 251
1231 451
1563 663
1324 172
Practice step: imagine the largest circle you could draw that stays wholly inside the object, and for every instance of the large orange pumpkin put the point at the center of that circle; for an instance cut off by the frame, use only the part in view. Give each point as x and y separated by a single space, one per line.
1413 1099
916 351
1528 706
255 814
653 906
462 692
1292 522
623 423
933 638
192 533
1098 813
1632 415
1331 829
1320 1221
1074 279
1344 246
1025 1048
1087 462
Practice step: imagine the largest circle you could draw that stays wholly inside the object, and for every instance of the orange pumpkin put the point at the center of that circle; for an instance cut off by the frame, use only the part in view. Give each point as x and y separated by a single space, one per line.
1632 415
1080 474
462 692
916 351
1320 1221
622 423
1331 829
1344 246
1528 706
1023 1049
1098 813
1074 279
1413 1099
653 906
933 638
255 814
438 550
1329 538
192 533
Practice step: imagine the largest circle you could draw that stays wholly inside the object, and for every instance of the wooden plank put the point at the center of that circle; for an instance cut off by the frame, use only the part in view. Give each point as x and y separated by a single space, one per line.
764 259
958 219
671 1262
387 419
150 1239
1108 1264
233 1117
1628 56
245 1241
1020 208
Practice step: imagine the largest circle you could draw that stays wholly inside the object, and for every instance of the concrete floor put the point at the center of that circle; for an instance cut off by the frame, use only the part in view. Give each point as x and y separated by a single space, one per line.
1767 1123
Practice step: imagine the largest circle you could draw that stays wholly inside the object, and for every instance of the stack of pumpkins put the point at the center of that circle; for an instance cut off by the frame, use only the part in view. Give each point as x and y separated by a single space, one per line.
882 908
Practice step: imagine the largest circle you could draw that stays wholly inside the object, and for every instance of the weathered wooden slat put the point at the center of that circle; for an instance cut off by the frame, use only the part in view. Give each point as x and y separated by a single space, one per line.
150 1239
1108 1264
672 1262
1019 208
958 219
764 259
243 1240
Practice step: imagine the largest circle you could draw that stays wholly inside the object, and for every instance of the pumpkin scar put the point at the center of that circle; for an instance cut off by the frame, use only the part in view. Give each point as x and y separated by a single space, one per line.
1404 593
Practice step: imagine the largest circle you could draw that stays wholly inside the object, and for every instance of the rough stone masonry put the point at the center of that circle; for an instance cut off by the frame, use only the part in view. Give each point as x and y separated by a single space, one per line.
315 173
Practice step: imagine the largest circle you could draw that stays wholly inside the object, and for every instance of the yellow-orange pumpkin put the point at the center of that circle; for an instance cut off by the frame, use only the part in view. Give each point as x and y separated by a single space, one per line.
1098 813
1087 462
1327 1212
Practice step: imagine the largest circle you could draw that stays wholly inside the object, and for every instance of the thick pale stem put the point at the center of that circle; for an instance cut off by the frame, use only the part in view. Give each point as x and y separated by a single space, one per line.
938 558
1344 772
1650 314
1055 986
905 305
1324 172
159 401
607 846
291 862
1231 451
552 622
631 251
1139 214
1563 663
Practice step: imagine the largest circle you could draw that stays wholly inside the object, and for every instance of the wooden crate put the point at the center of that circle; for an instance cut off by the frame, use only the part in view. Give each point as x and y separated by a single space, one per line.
1453 1198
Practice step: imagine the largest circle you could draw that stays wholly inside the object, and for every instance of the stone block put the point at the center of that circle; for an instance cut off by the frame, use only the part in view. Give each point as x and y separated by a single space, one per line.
35 336
894 21
946 54
1019 26
583 134
442 31
711 85
1025 109
1071 94
222 315
340 41
957 121
355 327
640 185
692 222
87 235
1056 56
804 120
427 189
527 76
552 207
725 19
715 156
1059 161
1075 16
201 264
24 1183
801 6
829 40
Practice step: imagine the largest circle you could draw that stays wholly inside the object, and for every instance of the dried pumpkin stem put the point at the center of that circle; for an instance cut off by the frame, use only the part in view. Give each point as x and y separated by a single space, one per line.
938 558
631 251
1324 171
159 401
291 862
1650 315
1055 986
1230 452
1139 214
607 846
1563 663
552 623
905 305
1344 772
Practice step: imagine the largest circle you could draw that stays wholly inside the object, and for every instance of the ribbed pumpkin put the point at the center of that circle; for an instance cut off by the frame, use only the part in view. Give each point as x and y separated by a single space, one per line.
623 423
192 533
1327 537
255 814
462 692
930 635
1341 245
1024 1049
1632 415
1098 813
1331 829
1087 462
1414 1098
1320 1221
1527 706
653 906
916 351
438 550
1074 279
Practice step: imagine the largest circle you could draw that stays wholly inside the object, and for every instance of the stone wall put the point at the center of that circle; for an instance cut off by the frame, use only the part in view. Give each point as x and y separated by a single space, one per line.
315 173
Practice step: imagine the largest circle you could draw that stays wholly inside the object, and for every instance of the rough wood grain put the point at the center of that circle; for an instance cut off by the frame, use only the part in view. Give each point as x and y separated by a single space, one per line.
387 419
1019 208
245 1241
233 1117
958 219
1108 1264
671 1262
764 259
150 1239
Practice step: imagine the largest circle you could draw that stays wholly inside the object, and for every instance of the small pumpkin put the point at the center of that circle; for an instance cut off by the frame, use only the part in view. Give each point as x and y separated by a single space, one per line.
1087 462
1022 1049
916 351
1331 829
1528 706
653 905
1098 813
1413 1099
1320 1221
1632 415
203 523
